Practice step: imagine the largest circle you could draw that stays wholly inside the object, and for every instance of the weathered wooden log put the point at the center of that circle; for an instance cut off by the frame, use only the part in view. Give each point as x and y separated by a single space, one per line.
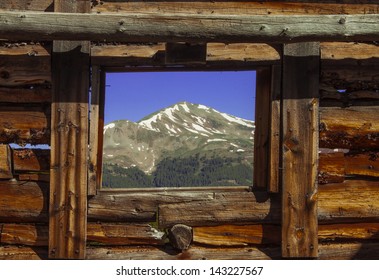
25 95
349 251
350 201
31 160
352 78
25 125
246 208
329 251
175 27
350 128
236 7
335 167
180 236
24 70
22 50
24 202
97 234
21 234
116 206
123 234
330 97
5 162
218 54
244 235
38 177
193 253
23 253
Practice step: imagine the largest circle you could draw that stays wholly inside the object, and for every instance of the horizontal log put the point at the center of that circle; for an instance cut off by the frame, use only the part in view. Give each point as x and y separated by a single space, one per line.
31 160
218 54
25 49
244 235
25 124
164 27
234 7
329 251
20 234
123 234
335 167
42 177
124 206
24 70
247 208
350 128
350 201
25 95
5 162
97 234
330 97
23 253
193 253
23 202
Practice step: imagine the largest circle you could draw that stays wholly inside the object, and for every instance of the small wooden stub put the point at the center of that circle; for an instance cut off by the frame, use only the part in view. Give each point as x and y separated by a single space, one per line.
180 236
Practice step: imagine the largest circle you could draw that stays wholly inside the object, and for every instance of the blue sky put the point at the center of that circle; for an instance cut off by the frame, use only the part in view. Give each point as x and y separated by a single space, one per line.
133 96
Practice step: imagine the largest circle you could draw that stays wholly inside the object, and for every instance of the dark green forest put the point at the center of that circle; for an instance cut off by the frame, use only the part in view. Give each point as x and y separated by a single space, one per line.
181 172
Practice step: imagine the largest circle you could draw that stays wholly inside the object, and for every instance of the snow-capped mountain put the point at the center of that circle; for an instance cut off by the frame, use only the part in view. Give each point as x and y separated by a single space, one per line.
180 130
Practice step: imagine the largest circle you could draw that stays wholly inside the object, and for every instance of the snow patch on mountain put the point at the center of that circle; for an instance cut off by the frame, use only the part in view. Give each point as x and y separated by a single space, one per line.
111 125
185 107
216 140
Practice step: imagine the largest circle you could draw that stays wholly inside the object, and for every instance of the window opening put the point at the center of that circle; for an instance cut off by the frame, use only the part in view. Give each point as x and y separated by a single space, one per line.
178 129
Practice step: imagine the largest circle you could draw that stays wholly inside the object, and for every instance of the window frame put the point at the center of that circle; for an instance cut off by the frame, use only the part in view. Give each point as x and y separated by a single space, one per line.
266 141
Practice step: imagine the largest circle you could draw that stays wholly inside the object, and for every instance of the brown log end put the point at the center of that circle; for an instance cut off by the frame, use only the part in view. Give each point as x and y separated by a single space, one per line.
180 236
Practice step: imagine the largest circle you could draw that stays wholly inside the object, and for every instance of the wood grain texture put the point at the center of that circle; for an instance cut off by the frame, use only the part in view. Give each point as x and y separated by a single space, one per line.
350 128
96 130
142 206
69 143
23 253
25 95
5 162
31 160
24 70
274 131
24 234
353 201
336 167
300 150
262 127
236 7
328 251
175 27
22 125
23 202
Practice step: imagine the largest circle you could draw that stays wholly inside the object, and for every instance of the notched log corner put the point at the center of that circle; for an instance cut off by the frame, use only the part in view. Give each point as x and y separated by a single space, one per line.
180 236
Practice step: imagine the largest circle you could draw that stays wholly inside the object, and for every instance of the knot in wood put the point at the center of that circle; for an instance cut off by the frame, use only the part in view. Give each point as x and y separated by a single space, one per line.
180 236
342 21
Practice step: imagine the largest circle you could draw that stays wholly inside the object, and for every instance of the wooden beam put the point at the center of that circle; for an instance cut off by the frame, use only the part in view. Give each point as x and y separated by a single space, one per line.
25 95
31 160
172 27
69 143
261 132
300 149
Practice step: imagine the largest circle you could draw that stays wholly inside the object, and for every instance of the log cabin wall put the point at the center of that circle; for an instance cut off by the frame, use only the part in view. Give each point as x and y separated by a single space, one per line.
239 223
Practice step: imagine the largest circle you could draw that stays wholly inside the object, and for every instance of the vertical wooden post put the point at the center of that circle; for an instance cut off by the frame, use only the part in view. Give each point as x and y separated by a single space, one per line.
300 150
261 134
96 130
5 162
267 129
69 143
